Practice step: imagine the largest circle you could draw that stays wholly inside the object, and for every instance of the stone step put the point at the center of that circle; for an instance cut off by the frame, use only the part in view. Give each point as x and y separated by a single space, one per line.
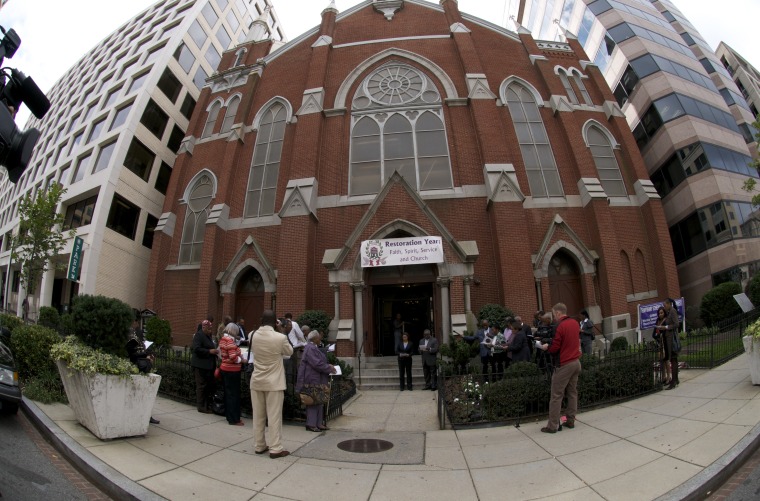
389 372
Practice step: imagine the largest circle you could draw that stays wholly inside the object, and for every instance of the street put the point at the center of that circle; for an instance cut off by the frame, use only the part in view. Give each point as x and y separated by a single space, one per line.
744 485
31 469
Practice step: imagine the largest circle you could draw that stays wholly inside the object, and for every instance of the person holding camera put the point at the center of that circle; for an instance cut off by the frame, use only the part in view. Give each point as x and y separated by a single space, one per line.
565 378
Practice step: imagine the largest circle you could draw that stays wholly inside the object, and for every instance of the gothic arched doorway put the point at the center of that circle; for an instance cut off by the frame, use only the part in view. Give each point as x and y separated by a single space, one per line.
565 282
249 298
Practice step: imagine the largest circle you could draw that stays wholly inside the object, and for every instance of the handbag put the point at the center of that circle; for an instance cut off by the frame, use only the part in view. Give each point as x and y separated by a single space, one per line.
676 342
218 374
315 394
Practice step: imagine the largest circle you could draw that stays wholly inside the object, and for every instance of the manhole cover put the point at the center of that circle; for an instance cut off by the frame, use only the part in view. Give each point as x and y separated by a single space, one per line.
365 445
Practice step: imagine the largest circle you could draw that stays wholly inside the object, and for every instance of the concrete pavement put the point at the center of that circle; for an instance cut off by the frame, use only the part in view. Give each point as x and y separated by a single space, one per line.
671 445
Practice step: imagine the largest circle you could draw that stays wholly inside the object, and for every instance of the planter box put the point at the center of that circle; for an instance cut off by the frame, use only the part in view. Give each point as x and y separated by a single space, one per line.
753 355
110 406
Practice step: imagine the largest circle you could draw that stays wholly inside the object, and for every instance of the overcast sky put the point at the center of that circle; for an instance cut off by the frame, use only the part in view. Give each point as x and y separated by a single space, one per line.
56 33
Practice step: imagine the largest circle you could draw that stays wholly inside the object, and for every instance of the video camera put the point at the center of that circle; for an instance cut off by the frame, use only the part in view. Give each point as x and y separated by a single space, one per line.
16 88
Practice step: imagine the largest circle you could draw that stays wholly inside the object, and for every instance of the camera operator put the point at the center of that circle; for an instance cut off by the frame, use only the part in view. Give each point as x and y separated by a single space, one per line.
565 378
545 334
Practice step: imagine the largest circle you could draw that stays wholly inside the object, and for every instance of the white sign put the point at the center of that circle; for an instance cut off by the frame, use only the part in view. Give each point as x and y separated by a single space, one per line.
402 251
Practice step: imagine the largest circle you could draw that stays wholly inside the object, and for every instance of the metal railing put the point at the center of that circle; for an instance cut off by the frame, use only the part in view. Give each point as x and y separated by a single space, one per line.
710 347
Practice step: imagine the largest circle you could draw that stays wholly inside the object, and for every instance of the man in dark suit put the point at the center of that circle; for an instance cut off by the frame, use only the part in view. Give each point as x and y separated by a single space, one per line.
429 352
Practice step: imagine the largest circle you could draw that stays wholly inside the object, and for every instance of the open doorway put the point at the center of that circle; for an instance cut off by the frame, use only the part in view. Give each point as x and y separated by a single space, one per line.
413 302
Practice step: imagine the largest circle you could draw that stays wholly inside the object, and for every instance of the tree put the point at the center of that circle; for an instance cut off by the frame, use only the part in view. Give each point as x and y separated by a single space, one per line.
40 236
751 183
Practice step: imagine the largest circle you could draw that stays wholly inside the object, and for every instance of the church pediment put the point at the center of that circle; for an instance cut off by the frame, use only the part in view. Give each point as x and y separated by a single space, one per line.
239 262
561 236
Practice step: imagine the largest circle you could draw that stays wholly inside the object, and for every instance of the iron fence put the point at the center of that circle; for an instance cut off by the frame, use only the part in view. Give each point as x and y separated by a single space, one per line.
710 347
178 383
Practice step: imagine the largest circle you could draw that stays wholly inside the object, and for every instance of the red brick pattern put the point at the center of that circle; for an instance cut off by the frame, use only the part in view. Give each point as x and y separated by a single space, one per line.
737 479
508 235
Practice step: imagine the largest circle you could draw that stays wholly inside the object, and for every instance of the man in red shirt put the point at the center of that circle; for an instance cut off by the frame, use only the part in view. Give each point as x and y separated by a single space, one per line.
565 379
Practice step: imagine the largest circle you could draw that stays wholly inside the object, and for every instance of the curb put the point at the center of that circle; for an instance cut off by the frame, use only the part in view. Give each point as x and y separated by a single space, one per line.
110 481
712 477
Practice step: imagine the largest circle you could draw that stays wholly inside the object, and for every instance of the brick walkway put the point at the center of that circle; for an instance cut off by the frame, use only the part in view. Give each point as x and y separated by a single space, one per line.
737 479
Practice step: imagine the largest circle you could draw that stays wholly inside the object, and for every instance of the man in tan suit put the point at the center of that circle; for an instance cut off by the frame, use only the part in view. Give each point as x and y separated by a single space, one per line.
268 385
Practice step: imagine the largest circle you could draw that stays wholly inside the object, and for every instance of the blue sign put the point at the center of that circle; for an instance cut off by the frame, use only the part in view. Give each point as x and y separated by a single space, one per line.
648 313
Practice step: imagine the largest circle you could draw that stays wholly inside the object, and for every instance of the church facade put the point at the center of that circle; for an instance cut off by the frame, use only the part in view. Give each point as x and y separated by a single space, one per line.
305 167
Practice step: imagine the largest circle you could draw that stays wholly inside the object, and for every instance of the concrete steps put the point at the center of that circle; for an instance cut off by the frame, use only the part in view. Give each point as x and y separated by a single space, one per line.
381 373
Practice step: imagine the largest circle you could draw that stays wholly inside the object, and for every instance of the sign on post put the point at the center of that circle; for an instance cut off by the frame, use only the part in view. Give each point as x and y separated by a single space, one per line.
401 251
75 260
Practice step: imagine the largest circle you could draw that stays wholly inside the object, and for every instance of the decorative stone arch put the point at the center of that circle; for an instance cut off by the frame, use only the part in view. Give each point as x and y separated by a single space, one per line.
230 279
581 258
191 184
591 122
239 56
573 71
447 83
528 86
414 230
216 100
289 118
238 95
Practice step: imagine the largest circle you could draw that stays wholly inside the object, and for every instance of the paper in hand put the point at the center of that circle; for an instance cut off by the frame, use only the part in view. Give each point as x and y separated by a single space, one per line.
337 370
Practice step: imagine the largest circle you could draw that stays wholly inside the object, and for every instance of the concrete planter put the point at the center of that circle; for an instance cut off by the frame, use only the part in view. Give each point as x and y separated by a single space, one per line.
752 347
110 406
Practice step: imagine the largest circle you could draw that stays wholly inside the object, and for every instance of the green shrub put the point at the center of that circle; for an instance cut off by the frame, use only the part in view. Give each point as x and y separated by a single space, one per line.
619 344
45 387
345 368
159 331
495 314
513 397
522 369
10 322
460 351
66 325
753 290
317 320
49 317
719 304
83 358
31 346
102 323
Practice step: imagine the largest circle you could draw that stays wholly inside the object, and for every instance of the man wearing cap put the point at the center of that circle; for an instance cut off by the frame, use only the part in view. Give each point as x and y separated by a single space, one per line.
203 362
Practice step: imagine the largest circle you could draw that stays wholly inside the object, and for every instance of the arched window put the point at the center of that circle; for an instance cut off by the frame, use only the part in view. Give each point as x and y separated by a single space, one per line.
398 127
229 117
194 228
606 163
540 166
627 272
265 168
239 57
213 114
582 88
566 84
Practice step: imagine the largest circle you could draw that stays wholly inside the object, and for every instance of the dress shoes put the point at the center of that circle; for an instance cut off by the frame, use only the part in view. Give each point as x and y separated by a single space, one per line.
546 429
314 429
262 452
427 387
205 411
154 420
281 454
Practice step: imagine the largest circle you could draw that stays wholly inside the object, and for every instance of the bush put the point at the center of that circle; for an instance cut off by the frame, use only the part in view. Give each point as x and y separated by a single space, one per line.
317 320
522 369
495 314
753 290
719 304
46 388
460 351
102 323
10 322
619 344
345 368
159 331
49 317
31 346
66 325
83 358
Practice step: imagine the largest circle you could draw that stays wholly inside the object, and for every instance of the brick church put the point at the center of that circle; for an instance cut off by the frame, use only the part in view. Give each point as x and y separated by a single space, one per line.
311 169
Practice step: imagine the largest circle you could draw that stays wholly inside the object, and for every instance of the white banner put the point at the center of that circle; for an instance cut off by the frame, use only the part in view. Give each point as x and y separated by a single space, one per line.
402 251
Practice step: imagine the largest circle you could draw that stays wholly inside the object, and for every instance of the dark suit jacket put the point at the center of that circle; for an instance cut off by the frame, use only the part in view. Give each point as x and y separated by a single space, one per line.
201 358
428 357
519 347
409 348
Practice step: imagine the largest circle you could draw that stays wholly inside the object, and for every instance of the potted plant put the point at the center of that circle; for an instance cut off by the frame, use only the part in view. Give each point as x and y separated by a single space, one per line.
751 341
104 389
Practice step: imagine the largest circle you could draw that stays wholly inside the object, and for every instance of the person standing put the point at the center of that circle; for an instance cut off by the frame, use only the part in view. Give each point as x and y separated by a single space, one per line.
484 338
665 344
405 350
203 362
139 355
587 333
398 331
242 337
230 368
314 369
566 342
268 385
429 352
671 329
518 346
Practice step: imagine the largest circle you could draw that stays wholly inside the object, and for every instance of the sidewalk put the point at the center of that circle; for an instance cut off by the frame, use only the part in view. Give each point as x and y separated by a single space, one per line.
669 445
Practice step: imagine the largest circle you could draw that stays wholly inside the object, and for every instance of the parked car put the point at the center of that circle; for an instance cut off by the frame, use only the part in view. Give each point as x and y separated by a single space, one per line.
10 393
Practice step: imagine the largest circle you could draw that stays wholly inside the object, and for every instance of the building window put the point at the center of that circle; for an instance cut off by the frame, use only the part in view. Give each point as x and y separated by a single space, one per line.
566 84
233 20
150 228
213 114
224 37
111 98
104 157
213 57
229 116
606 163
411 142
80 213
121 116
123 216
169 85
240 57
200 77
188 106
175 139
197 34
139 159
96 129
162 180
582 88
194 228
210 14
154 119
138 82
540 165
81 169
265 167
184 57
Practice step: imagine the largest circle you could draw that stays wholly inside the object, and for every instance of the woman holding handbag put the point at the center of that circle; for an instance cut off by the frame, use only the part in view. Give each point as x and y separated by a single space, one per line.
232 362
313 375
